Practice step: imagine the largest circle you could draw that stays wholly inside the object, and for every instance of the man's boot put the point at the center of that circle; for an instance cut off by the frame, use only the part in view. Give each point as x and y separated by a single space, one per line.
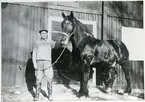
38 86
49 88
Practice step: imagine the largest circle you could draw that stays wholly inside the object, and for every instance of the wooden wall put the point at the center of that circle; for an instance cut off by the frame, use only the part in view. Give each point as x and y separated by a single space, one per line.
20 26
22 21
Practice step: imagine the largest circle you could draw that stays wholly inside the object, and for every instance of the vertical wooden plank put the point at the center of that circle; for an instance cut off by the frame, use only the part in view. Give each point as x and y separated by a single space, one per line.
46 17
21 63
100 26
97 27
84 14
9 48
17 39
113 33
120 79
109 26
32 24
133 77
10 51
25 58
22 43
93 18
49 12
132 74
140 74
37 23
130 64
5 31
5 19
112 28
14 32
136 76
87 16
120 84
27 31
116 28
29 28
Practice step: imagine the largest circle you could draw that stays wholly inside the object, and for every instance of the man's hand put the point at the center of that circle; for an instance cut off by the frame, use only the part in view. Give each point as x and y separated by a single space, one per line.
35 66
65 41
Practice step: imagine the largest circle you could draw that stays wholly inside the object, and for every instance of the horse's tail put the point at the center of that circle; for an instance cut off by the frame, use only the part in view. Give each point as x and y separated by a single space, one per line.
123 48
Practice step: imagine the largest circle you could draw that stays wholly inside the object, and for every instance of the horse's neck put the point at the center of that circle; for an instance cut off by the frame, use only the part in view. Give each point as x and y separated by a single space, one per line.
80 32
78 36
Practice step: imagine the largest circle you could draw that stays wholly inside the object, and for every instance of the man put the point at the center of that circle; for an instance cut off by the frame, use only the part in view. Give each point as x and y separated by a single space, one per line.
42 62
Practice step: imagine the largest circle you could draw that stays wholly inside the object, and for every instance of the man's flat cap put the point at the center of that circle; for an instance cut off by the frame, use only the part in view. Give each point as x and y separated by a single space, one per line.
43 30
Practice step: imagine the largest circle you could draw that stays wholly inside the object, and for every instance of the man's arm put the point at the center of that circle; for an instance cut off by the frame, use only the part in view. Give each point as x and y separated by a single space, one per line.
53 43
34 58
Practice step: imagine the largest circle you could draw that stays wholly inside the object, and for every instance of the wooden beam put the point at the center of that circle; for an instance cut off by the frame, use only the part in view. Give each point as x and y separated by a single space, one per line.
87 11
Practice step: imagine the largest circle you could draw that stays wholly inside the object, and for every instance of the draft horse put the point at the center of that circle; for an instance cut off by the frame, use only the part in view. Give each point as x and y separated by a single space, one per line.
90 52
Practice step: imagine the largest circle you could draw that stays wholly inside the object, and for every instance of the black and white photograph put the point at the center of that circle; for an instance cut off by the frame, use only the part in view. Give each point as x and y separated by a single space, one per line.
72 51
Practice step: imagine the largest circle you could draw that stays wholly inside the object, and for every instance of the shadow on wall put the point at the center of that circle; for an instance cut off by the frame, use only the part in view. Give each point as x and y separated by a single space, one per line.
31 79
30 76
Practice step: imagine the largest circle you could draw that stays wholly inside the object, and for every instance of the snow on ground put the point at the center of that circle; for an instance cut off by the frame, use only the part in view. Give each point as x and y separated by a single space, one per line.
62 92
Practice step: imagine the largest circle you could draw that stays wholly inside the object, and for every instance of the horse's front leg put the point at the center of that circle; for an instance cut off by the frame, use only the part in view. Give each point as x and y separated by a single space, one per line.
84 77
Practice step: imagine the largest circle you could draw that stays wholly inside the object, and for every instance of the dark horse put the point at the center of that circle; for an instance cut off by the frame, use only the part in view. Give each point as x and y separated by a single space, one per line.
90 52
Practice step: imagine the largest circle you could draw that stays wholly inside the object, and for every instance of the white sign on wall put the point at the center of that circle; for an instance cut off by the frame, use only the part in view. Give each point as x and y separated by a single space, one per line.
134 39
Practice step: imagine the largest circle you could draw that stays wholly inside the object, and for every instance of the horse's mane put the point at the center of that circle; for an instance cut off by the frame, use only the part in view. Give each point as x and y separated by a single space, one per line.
83 27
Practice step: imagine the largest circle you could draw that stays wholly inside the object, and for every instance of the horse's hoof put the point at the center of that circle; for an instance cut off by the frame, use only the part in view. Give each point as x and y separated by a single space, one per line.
121 92
125 94
128 91
108 90
81 94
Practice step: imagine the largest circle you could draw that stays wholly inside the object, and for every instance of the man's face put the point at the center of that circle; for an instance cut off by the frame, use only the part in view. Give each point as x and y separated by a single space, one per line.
43 35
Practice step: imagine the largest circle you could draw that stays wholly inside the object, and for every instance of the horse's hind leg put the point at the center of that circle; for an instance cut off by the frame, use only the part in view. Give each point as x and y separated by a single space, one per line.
125 68
108 77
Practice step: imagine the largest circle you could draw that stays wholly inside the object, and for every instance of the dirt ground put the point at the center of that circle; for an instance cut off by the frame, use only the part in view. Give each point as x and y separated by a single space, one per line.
65 92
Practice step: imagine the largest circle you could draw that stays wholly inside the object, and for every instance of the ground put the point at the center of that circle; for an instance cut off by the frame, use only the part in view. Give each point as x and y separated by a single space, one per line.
64 92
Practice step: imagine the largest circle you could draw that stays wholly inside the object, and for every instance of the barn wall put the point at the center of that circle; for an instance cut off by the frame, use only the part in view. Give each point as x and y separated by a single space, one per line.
22 21
20 26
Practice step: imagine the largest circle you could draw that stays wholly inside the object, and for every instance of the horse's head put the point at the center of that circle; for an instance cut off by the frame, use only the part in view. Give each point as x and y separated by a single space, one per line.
68 23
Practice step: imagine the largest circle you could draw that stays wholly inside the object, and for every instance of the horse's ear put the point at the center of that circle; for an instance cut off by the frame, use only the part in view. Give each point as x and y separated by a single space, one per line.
63 15
71 14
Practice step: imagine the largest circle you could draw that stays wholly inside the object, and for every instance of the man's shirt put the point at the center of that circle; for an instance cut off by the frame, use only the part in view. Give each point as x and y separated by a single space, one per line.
42 50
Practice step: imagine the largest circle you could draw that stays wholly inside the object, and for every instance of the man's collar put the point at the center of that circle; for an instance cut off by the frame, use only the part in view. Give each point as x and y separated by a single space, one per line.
43 39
